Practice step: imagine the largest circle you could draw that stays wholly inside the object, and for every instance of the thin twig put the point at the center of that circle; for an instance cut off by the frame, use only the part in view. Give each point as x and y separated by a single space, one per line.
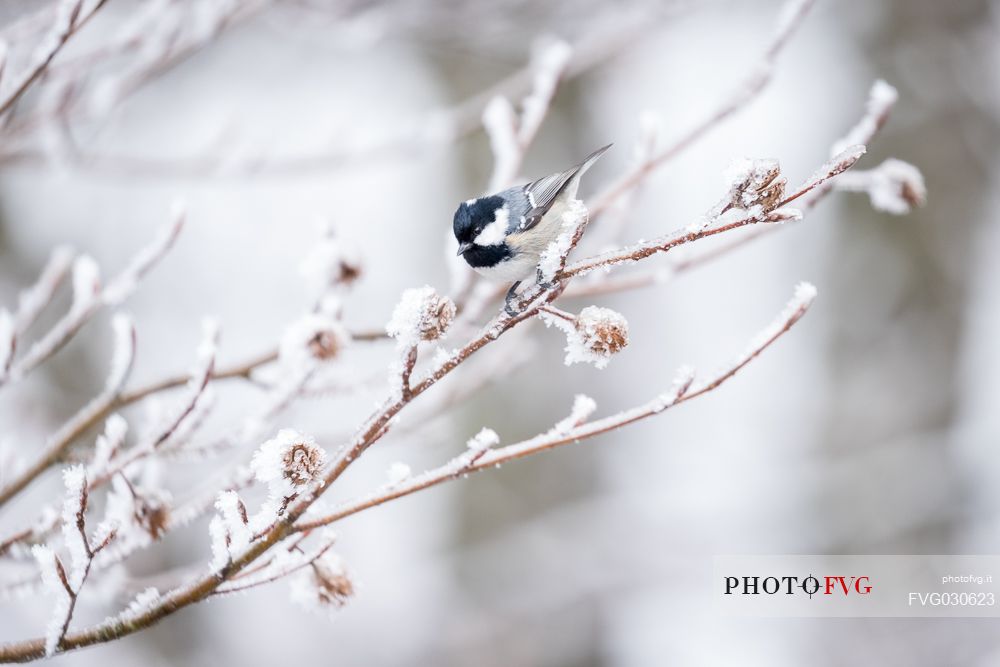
59 37
791 17
494 457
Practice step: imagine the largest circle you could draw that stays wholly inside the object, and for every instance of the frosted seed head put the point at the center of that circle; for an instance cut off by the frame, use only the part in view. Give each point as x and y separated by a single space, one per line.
421 314
755 182
288 461
603 331
313 338
324 586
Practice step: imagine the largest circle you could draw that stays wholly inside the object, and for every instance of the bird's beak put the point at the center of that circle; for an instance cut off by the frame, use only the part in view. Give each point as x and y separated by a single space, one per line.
462 247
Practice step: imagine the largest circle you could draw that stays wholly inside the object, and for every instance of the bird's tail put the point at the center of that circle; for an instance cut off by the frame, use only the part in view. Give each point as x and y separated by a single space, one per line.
591 159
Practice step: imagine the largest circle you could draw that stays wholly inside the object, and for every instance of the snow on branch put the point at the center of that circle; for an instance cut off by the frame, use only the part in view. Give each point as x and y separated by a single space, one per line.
71 15
510 133
66 584
894 186
789 19
89 297
123 356
256 542
32 301
732 218
593 336
576 427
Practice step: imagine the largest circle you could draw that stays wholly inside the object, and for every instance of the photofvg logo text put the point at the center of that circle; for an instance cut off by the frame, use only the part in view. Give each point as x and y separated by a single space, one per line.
808 585
856 586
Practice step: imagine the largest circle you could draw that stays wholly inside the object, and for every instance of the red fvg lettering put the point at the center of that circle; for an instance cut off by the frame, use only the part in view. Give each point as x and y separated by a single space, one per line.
858 584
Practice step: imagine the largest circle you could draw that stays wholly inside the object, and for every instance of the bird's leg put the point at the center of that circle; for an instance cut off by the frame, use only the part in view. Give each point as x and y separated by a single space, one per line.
511 294
540 279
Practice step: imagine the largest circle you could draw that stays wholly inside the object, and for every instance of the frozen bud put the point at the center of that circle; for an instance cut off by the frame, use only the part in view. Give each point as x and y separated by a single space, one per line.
324 586
755 183
894 186
593 336
603 331
139 512
421 314
151 514
439 316
334 261
288 461
897 187
312 338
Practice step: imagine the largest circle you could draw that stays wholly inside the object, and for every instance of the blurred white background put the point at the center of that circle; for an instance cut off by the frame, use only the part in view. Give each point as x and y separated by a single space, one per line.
871 428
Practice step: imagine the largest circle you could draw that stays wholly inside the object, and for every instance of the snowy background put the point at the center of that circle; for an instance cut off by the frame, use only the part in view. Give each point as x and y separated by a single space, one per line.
871 428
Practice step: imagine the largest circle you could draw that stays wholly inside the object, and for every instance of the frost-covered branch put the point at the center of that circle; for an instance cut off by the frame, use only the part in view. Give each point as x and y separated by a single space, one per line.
255 539
121 365
89 297
576 427
909 187
511 133
731 218
789 19
154 40
419 318
67 585
70 17
894 186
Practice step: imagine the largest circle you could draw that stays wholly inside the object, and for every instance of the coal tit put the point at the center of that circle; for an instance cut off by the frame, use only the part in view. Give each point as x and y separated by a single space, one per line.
502 236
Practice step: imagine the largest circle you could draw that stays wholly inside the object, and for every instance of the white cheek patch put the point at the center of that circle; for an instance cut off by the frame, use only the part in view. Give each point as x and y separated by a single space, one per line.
495 232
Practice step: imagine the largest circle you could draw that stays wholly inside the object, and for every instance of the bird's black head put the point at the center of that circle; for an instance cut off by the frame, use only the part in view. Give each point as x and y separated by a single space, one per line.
473 216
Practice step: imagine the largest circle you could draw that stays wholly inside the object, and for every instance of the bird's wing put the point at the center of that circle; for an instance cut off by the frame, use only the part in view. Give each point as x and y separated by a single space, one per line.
542 193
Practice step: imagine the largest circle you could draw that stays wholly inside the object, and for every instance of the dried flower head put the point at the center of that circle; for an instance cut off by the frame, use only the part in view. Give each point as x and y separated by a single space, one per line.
897 187
421 314
302 463
288 461
151 514
324 586
312 338
141 512
333 587
593 336
439 315
755 183
603 331
334 261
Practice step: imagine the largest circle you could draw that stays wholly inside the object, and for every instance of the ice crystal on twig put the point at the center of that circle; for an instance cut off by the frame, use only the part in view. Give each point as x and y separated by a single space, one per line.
86 283
483 440
549 63
54 580
583 407
234 516
553 258
881 98
398 472
107 444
